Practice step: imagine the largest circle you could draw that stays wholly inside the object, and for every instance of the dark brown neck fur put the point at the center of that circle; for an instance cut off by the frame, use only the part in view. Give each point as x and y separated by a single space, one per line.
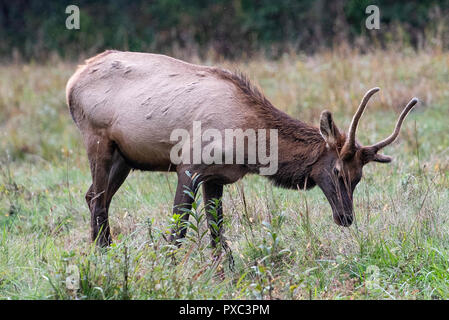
300 147
300 144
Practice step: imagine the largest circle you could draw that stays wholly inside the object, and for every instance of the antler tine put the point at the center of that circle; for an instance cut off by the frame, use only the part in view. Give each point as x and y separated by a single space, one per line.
395 133
358 115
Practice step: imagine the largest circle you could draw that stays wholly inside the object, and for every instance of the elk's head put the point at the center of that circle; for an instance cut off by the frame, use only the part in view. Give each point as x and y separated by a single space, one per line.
339 170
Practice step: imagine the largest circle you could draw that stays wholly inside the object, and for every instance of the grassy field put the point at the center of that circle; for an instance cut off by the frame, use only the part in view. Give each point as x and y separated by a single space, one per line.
284 243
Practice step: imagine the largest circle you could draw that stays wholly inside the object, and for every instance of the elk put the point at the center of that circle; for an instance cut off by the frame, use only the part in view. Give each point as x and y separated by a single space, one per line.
126 104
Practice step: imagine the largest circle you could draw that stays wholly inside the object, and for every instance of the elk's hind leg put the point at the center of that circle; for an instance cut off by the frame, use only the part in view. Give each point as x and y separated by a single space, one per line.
100 153
109 171
117 175
89 197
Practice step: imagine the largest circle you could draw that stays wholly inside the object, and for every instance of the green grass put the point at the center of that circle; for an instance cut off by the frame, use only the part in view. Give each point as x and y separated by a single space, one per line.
284 243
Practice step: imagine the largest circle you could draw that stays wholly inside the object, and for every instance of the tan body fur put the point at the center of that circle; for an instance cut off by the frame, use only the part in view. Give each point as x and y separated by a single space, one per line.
137 100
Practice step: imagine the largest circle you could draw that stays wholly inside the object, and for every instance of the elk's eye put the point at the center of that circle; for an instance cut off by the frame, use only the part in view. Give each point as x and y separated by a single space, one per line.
336 171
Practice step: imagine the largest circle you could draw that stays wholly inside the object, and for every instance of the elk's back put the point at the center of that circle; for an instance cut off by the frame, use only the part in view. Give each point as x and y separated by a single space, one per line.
138 99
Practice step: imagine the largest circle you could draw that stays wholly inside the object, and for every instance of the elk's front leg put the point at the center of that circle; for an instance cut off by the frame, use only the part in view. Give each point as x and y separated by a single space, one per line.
185 193
213 193
214 210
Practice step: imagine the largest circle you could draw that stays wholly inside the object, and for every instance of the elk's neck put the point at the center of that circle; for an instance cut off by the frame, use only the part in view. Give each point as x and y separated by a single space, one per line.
300 147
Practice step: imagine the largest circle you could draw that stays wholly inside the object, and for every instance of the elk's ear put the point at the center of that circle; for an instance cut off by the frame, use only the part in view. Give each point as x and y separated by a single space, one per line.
328 129
382 158
370 155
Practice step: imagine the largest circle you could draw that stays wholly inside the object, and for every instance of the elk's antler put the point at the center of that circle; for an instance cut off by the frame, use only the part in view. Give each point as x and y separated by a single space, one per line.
350 142
376 147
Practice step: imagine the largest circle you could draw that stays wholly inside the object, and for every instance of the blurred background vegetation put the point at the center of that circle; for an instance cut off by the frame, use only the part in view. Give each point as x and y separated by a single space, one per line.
34 29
